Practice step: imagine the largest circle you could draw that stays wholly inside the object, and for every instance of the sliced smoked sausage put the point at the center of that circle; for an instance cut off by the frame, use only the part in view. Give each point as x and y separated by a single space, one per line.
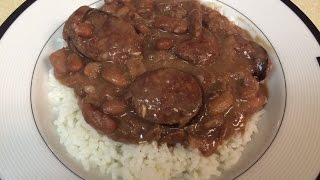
166 96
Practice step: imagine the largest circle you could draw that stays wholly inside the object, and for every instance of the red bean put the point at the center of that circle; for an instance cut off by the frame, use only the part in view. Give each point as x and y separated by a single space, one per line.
205 145
195 19
92 70
74 79
154 134
141 28
84 30
135 66
123 11
89 89
115 75
74 62
174 136
247 85
181 27
114 107
110 8
220 103
98 120
92 98
58 60
169 24
256 103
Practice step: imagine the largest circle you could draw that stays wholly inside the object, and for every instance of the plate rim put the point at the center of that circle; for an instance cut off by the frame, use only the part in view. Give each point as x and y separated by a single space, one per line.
29 1
236 176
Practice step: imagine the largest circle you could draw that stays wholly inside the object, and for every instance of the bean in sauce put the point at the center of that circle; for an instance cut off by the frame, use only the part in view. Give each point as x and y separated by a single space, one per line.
166 71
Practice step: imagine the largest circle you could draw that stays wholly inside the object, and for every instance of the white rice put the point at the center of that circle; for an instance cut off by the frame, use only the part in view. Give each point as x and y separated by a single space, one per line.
145 161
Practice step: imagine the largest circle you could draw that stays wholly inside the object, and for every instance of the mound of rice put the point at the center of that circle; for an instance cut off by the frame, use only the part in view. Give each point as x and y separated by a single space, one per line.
144 161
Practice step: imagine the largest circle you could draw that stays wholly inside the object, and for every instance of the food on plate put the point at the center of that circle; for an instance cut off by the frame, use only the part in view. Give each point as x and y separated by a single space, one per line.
172 74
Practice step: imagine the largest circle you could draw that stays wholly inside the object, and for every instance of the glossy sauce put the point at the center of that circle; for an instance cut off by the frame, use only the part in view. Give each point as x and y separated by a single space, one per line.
165 71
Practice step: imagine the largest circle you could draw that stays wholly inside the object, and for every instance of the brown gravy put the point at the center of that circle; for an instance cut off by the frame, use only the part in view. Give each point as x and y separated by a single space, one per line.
165 71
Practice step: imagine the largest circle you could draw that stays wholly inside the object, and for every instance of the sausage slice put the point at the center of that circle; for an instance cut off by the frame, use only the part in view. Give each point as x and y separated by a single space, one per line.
100 36
166 96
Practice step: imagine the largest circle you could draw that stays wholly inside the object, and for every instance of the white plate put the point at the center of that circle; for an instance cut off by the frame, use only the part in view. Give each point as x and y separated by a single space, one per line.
294 154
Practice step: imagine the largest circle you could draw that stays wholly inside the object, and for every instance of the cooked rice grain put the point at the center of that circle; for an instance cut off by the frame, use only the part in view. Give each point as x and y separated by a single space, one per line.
145 161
